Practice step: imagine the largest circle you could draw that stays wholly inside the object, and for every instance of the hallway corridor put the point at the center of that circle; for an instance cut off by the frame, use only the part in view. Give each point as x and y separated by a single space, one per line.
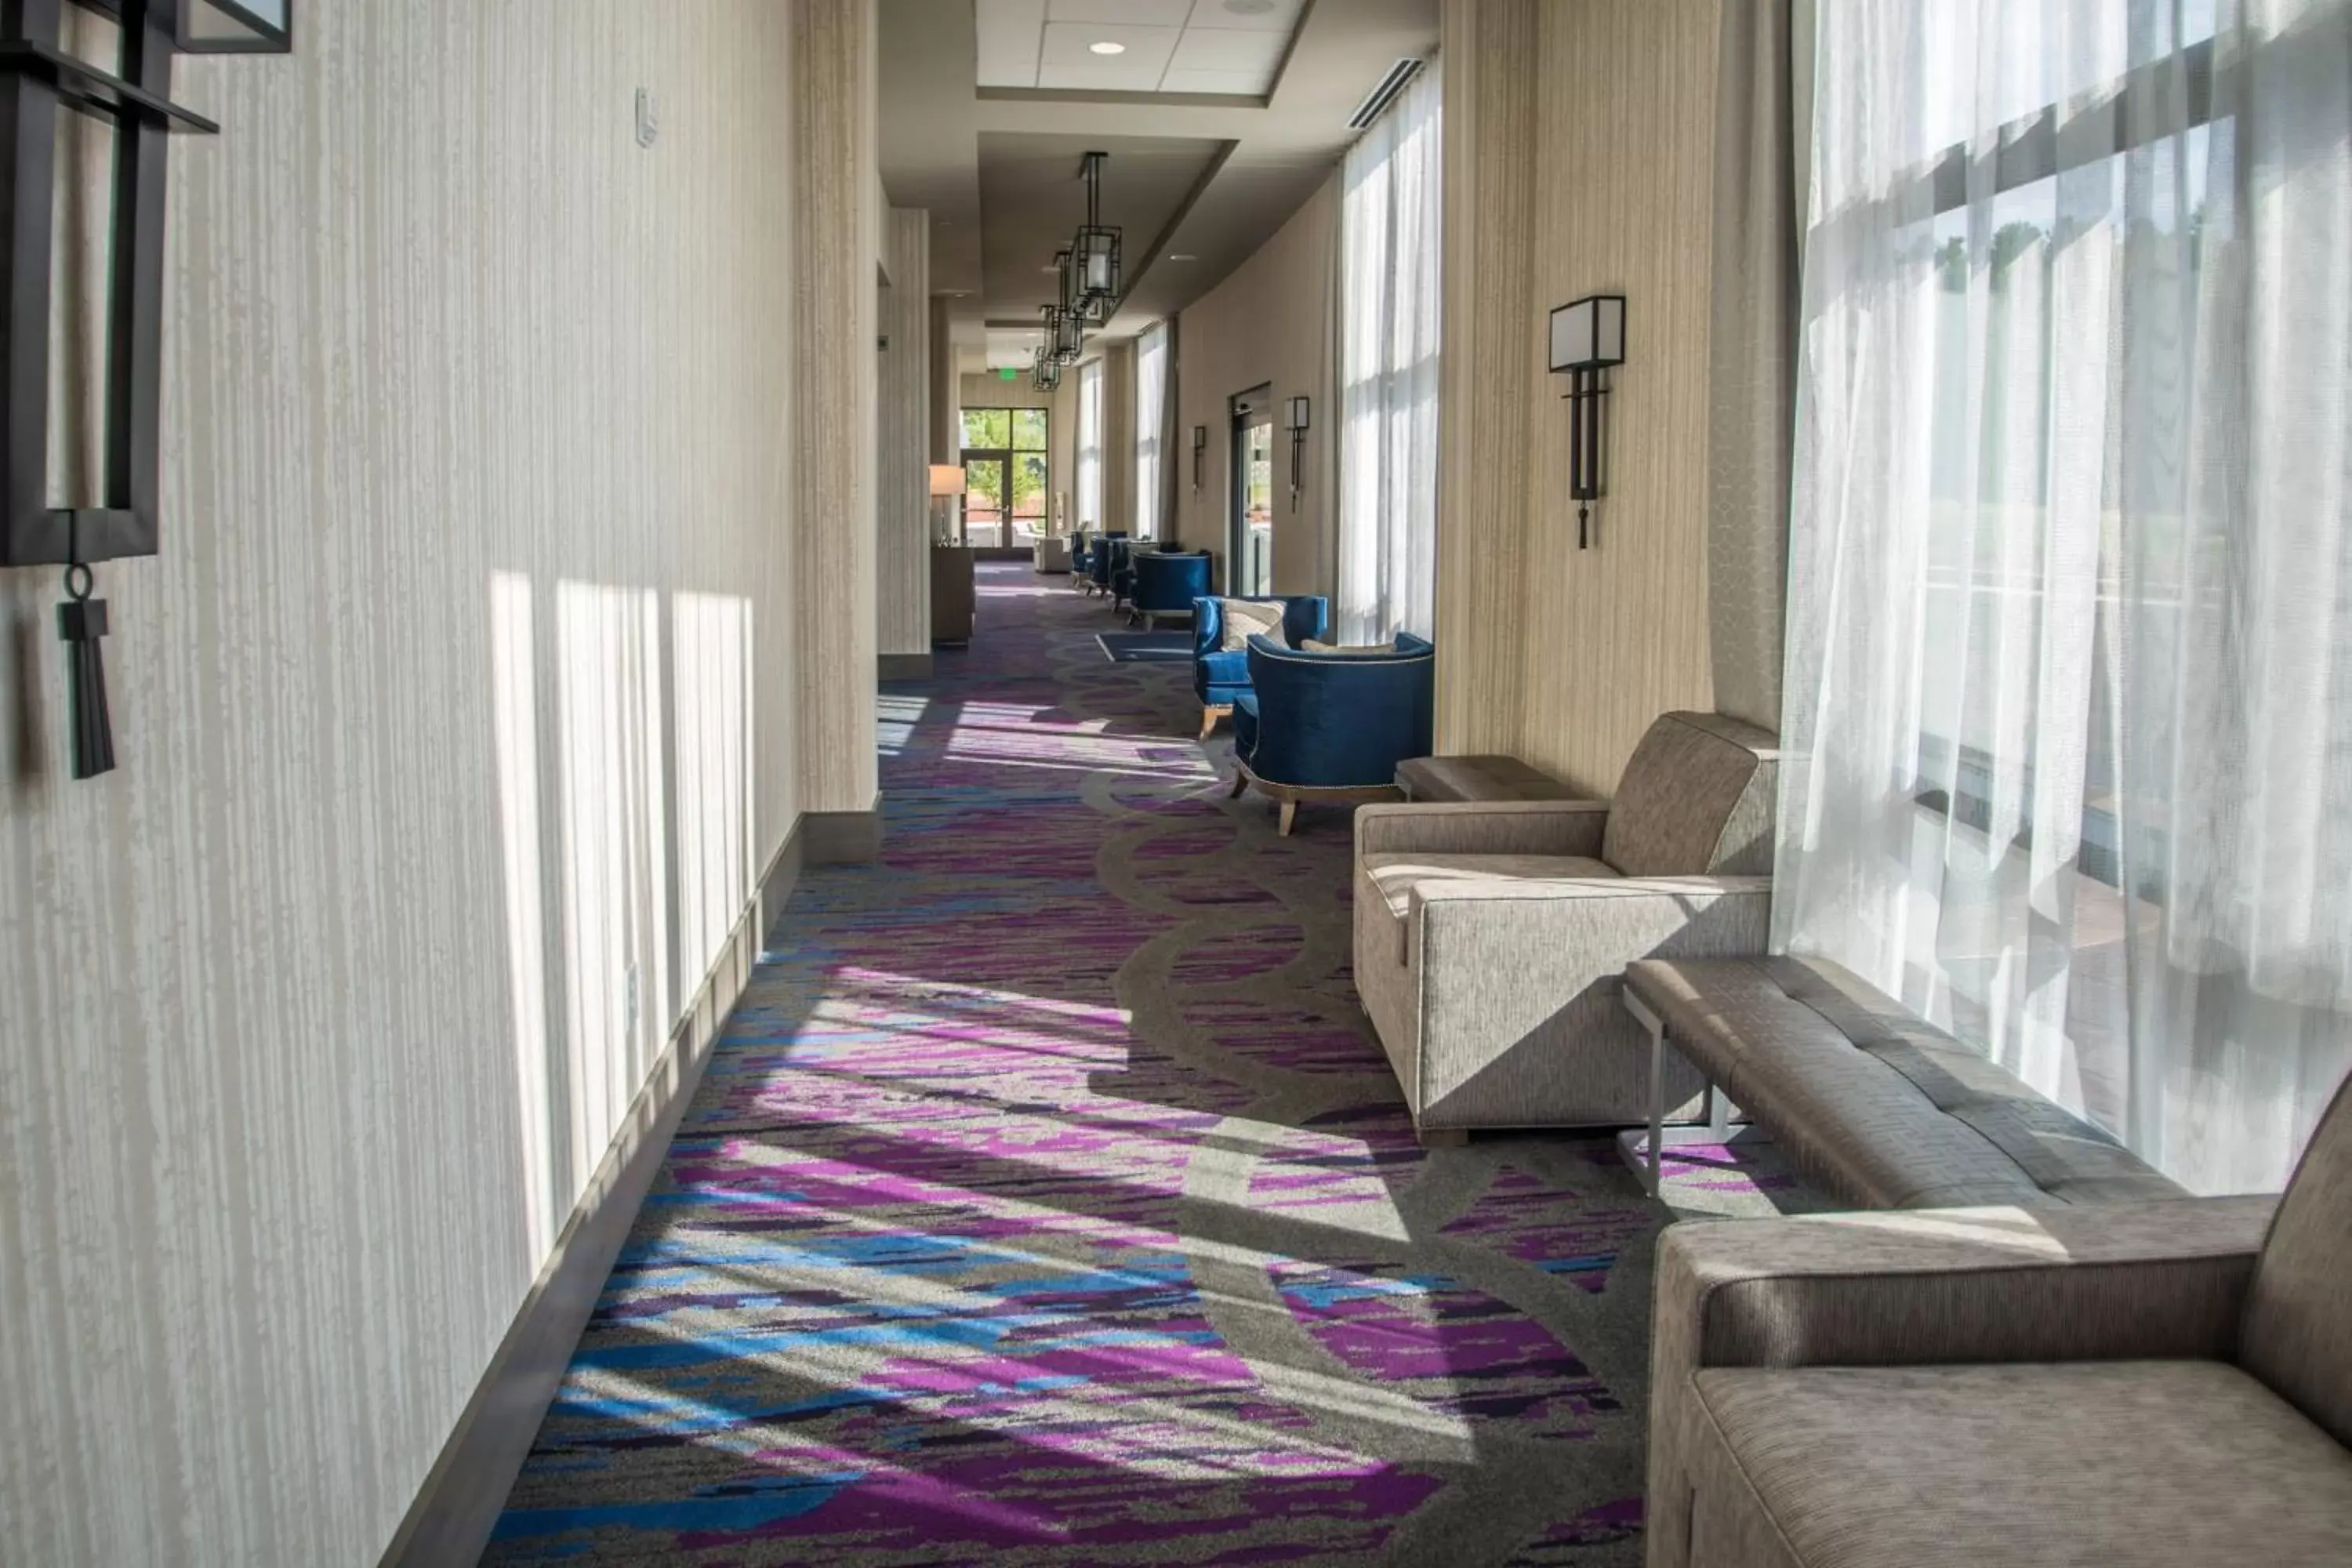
1048 1201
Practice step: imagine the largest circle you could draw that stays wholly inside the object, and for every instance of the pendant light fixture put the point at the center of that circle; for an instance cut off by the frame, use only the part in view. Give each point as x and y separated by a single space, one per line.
1095 251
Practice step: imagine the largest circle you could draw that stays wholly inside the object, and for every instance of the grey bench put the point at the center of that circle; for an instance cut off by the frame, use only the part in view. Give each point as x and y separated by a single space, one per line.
1877 1106
1476 778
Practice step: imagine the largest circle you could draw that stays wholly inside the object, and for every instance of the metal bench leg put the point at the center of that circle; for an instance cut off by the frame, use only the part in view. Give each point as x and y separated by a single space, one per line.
1658 1104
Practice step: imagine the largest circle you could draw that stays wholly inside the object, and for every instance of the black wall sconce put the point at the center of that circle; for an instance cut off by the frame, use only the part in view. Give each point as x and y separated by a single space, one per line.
1200 451
37 78
1294 419
1588 337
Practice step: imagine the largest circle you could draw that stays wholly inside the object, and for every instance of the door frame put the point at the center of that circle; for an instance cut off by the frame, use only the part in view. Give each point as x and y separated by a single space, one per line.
1247 411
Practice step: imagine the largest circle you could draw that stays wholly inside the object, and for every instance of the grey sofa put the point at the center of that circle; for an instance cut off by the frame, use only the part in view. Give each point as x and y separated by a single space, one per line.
1490 936
2125 1385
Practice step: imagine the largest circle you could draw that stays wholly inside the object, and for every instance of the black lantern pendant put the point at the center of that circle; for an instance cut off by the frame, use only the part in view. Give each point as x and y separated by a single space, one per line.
1046 371
1094 252
1588 339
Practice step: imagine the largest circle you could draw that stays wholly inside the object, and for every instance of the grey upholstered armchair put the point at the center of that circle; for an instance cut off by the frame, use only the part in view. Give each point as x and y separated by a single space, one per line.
1491 936
2128 1383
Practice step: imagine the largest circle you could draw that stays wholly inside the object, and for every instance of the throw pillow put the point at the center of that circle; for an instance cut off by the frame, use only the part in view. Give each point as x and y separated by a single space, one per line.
1245 618
1348 650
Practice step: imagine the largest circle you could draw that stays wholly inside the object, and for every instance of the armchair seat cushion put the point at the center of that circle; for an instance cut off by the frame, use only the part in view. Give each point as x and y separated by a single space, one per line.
2125 1464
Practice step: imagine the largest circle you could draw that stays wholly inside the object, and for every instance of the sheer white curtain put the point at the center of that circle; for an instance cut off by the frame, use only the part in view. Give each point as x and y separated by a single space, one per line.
2069 679
1151 365
1091 445
1389 220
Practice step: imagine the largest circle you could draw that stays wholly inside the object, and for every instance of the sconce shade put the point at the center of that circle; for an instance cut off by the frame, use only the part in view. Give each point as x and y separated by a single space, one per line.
1589 333
1199 437
1293 414
236 27
947 480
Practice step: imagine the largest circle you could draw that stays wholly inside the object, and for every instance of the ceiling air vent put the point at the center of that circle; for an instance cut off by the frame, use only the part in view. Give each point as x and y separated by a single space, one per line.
1384 93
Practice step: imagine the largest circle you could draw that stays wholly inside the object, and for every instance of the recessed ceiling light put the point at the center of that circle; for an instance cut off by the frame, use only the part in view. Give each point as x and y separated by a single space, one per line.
1181 256
1108 48
1249 7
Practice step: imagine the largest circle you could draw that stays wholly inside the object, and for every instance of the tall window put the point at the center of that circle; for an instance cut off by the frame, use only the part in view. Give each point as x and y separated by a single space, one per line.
2070 616
1152 364
1003 473
1389 224
1091 445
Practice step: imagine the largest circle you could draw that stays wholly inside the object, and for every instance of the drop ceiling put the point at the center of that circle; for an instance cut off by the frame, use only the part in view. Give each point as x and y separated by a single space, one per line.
1197 181
1031 198
1214 48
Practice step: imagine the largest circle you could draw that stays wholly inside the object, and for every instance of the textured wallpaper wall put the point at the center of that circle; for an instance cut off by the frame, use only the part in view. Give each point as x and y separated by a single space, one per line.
455 720
1564 656
1270 321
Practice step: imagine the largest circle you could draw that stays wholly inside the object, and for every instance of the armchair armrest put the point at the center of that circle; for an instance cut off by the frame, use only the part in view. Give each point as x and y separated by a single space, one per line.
1581 934
1484 828
2094 1282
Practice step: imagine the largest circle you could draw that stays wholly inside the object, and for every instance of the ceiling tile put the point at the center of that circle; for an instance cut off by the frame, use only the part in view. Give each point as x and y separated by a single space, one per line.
1280 17
1231 84
1227 50
1009 33
1101 77
1147 48
1133 13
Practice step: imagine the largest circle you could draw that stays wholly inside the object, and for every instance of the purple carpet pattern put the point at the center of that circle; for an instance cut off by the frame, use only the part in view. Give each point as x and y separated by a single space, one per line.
1048 1201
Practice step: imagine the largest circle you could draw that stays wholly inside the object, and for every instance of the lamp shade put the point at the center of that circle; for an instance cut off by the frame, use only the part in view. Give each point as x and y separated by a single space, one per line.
947 480
1588 333
1293 414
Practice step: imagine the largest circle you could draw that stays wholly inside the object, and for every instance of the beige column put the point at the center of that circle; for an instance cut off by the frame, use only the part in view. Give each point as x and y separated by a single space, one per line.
833 437
946 438
1490 327
902 537
1118 435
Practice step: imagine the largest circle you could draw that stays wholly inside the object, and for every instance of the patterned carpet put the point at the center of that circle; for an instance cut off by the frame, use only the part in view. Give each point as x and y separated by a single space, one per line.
1048 1201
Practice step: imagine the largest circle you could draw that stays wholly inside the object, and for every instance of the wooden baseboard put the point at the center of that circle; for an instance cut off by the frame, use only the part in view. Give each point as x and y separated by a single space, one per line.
458 1506
905 666
842 837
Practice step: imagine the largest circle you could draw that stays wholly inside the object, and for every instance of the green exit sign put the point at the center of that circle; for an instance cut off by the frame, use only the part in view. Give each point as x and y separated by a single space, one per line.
1008 373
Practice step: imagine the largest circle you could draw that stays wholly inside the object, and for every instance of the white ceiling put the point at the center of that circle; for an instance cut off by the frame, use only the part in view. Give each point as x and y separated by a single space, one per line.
1218 47
1009 349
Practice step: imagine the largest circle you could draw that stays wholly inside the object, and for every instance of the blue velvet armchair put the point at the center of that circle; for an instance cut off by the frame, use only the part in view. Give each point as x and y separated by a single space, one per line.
1221 674
1099 560
1167 582
1122 551
1331 726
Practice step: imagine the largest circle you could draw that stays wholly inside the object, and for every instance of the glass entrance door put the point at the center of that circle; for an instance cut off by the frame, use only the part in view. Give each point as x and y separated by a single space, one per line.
1250 531
1003 475
987 481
